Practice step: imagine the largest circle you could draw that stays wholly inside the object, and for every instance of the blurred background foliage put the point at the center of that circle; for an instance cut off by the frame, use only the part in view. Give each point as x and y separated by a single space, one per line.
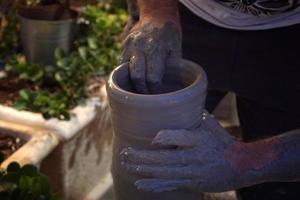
61 87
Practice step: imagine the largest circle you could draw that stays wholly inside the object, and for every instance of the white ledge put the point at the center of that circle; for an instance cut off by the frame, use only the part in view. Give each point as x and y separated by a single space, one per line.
80 117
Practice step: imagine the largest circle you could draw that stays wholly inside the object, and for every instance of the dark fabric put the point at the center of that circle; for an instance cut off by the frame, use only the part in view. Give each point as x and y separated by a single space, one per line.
263 69
259 121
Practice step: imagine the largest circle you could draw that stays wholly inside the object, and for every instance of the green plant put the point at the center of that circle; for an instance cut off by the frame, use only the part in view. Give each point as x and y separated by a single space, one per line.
24 183
98 37
49 104
8 33
26 71
61 87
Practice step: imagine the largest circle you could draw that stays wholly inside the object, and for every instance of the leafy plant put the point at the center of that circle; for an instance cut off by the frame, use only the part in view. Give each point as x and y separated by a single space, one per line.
26 71
8 33
24 183
98 37
61 87
49 104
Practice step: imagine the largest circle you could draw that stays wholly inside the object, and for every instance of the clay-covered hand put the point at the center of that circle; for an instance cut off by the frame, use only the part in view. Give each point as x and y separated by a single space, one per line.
202 161
149 48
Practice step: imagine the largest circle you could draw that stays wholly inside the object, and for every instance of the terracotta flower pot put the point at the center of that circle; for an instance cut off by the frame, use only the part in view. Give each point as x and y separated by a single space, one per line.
137 118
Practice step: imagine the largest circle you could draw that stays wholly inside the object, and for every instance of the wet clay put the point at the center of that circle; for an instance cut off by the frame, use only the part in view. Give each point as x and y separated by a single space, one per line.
137 118
153 42
149 49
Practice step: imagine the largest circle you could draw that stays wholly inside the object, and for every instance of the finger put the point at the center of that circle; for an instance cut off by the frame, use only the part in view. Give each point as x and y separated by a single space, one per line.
168 172
125 56
137 67
163 185
157 157
127 48
156 61
180 138
174 57
174 53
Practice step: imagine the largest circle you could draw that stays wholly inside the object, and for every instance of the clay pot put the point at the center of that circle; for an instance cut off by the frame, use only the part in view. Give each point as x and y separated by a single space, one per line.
137 118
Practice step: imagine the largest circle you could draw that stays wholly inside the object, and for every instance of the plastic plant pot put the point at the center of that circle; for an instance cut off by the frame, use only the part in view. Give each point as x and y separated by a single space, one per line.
40 37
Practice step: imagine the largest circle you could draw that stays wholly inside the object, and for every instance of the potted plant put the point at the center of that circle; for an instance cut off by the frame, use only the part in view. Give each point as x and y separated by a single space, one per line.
45 26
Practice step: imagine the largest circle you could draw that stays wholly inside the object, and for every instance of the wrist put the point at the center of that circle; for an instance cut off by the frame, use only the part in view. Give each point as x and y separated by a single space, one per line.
159 12
252 159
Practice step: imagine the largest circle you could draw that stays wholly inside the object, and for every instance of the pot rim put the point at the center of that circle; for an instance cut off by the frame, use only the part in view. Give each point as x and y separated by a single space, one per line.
199 85
49 21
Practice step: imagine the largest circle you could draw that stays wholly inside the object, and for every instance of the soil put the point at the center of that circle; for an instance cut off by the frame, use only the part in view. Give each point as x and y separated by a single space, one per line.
10 85
9 144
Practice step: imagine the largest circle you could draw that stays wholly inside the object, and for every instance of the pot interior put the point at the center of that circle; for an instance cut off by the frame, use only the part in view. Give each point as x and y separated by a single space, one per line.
175 78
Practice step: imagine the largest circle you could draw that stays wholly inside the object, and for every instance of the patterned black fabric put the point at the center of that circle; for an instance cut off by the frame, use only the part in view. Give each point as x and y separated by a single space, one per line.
261 7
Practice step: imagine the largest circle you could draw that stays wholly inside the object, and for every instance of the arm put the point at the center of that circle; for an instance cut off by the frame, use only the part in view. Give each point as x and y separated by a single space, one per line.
275 159
159 12
210 160
287 166
152 44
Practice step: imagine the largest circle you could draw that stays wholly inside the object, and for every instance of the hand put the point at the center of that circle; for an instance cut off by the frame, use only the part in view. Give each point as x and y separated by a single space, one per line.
201 162
149 48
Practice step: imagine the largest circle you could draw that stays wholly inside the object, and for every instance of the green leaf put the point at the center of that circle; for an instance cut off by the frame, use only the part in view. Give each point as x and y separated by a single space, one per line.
20 105
82 52
12 177
58 77
25 183
29 170
13 167
59 53
40 185
37 76
92 43
25 94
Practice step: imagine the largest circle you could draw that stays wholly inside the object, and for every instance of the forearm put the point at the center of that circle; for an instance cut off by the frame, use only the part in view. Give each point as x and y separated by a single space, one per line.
287 165
158 11
269 160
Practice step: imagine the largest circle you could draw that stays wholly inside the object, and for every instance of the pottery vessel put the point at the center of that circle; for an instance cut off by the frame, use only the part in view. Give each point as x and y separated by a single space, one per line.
137 118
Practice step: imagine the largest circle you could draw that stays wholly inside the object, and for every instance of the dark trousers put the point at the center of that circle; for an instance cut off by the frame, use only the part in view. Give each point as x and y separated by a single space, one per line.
263 69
